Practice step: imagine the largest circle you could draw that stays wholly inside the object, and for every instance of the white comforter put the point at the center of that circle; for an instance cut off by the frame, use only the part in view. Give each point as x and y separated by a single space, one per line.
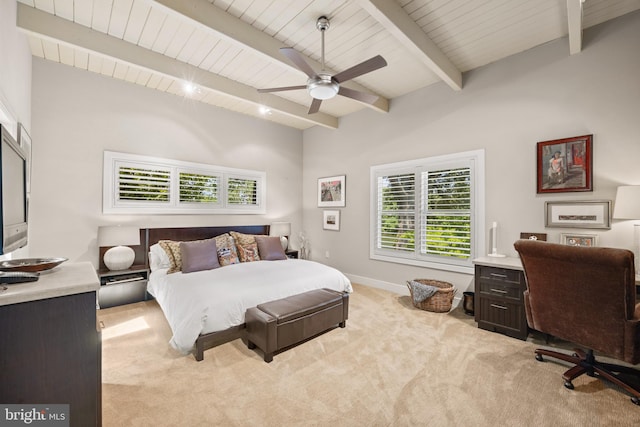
215 300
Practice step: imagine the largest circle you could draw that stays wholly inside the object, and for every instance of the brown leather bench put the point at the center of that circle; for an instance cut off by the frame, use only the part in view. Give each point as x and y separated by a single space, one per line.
275 325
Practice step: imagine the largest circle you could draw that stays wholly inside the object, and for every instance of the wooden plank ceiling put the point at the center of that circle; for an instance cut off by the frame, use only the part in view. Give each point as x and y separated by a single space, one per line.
221 51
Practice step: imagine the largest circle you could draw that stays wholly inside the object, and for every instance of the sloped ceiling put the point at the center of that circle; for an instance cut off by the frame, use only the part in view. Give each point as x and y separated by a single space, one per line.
221 51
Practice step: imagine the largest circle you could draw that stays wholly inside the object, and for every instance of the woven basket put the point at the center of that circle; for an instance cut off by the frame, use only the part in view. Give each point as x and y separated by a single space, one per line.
441 301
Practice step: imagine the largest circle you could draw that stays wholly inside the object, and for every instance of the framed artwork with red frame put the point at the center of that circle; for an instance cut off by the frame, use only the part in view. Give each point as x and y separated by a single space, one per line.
565 165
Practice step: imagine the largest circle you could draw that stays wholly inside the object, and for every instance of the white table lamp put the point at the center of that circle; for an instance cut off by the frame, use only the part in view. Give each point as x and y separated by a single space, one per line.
494 241
282 229
628 207
119 256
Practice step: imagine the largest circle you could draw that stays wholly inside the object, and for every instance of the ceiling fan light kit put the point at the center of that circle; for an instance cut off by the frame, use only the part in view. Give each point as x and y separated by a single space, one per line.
322 85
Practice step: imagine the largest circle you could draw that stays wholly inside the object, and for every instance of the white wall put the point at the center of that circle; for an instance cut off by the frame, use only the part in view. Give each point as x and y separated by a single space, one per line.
15 75
77 115
505 108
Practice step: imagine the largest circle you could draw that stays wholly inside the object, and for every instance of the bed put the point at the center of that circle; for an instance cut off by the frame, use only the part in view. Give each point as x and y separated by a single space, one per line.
206 308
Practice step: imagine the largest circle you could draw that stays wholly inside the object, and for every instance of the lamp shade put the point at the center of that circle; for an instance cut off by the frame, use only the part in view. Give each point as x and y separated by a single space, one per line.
118 236
280 229
627 202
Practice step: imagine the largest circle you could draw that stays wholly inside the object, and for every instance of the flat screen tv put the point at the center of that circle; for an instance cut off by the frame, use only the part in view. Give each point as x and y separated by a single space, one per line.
13 194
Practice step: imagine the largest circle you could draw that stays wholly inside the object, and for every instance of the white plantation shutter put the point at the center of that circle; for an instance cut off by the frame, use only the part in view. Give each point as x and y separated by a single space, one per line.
428 212
396 204
242 191
142 183
446 213
136 184
199 187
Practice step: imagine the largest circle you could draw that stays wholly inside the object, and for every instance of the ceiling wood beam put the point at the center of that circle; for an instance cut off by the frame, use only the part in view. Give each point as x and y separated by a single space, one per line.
391 15
61 30
240 33
574 17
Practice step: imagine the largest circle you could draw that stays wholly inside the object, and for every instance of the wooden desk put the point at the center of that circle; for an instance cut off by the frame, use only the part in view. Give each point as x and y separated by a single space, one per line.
499 301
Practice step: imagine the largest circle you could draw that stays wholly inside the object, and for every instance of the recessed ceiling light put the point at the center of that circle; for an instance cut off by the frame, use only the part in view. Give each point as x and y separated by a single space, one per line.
265 110
190 88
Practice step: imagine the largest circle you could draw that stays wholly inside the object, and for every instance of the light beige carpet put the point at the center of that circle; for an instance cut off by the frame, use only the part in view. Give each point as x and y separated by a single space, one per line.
393 365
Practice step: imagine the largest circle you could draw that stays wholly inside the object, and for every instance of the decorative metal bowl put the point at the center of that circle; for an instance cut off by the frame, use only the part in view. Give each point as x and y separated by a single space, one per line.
31 264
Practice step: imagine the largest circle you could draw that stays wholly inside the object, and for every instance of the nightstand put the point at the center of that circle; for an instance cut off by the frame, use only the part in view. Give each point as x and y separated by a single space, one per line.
291 254
121 287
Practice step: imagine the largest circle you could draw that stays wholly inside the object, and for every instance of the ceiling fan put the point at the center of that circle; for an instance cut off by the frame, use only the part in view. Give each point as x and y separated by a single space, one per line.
323 85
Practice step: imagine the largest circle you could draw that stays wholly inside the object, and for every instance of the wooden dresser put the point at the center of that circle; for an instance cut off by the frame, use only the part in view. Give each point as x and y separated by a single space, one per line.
50 343
499 302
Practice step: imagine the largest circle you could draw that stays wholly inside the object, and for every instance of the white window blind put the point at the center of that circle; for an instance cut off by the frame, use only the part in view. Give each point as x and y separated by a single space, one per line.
146 185
446 213
142 183
242 191
396 204
429 212
199 187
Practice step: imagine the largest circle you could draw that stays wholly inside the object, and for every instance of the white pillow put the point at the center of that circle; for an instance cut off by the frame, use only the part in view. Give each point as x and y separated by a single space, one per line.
158 258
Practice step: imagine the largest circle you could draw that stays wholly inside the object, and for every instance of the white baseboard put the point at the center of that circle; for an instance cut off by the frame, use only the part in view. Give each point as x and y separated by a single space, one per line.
400 289
387 286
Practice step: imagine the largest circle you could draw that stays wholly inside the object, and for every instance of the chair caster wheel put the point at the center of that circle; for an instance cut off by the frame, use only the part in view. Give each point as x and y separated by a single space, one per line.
636 400
539 358
569 385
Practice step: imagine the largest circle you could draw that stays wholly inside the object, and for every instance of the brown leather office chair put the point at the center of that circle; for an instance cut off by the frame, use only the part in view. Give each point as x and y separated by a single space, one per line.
586 296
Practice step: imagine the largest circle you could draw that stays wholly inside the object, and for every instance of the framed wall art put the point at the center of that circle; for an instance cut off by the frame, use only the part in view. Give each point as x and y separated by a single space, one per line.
331 220
565 165
588 240
24 140
331 191
582 214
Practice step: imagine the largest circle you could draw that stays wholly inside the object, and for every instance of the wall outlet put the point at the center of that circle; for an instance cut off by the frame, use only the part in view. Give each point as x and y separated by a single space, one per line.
326 254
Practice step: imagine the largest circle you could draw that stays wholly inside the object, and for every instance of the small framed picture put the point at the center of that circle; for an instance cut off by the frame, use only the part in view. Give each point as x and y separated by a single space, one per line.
534 236
588 240
565 165
331 191
331 220
587 214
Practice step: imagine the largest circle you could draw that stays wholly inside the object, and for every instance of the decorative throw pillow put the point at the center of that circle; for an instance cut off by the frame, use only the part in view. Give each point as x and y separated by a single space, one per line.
248 253
227 253
199 255
172 249
244 241
270 248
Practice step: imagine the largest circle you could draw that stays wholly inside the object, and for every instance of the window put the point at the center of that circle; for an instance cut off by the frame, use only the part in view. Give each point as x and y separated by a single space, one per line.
199 187
429 212
147 185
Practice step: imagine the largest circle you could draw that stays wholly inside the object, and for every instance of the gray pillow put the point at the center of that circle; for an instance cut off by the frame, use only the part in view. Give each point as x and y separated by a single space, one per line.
199 255
270 248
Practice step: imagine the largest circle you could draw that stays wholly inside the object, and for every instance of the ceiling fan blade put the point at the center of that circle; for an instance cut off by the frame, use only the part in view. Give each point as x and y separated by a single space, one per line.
298 60
355 94
280 89
315 106
360 69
